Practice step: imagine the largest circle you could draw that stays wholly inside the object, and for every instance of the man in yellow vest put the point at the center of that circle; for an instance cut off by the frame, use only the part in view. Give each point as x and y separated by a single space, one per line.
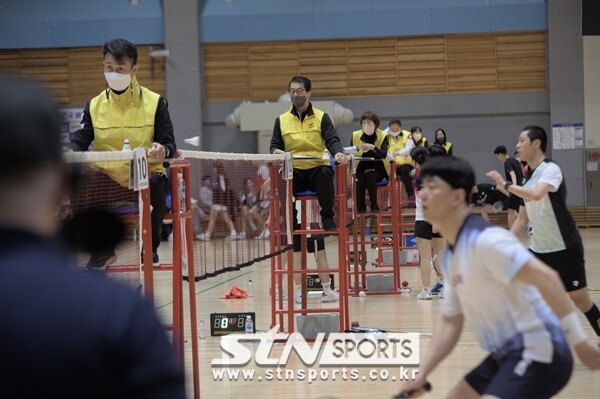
307 131
127 111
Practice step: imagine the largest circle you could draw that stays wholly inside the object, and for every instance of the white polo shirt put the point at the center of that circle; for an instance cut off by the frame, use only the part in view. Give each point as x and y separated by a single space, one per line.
503 315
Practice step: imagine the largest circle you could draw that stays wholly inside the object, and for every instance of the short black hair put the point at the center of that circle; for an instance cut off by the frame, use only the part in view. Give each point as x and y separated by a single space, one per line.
437 150
396 121
119 48
500 150
537 133
419 155
415 128
302 80
457 172
30 128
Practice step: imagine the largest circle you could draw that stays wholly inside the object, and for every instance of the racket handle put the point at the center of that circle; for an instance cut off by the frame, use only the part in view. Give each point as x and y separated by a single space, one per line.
409 394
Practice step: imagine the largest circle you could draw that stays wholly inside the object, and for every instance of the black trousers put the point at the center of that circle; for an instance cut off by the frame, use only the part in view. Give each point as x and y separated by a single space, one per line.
404 173
158 195
319 180
100 191
367 181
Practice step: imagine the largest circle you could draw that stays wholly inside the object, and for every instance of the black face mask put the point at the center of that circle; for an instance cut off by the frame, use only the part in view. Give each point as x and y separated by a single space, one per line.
298 101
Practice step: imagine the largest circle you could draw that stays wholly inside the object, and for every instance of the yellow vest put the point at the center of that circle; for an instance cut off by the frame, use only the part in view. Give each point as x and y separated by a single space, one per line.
304 138
447 146
398 143
422 144
356 141
115 118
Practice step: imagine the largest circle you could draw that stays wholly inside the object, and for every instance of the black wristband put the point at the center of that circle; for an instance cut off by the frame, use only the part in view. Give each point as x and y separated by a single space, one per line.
507 185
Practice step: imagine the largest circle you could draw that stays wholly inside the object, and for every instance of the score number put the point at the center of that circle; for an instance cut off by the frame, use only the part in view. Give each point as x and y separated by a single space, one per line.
138 175
229 323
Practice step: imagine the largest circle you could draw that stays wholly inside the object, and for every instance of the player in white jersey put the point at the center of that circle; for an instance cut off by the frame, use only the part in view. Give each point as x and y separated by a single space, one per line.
555 239
513 303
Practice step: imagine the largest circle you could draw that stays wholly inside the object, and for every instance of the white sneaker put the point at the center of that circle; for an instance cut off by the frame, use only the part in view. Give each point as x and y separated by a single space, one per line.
264 235
425 294
441 294
241 236
298 295
232 236
203 237
329 295
284 294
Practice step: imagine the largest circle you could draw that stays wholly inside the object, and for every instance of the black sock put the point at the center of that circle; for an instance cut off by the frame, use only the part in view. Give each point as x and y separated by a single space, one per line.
593 316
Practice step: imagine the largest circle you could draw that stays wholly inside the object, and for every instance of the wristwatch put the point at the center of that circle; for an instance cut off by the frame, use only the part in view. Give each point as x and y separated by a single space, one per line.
507 185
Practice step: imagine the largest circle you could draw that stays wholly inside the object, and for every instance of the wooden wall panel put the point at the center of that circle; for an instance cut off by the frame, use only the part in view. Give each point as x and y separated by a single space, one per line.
521 61
421 65
325 63
463 74
338 68
482 62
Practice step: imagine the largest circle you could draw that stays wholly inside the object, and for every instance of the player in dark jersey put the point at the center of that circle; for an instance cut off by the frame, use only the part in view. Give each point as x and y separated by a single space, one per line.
514 174
486 198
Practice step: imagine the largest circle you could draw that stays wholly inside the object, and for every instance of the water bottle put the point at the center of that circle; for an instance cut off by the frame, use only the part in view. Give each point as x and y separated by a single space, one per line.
249 325
181 191
250 289
201 330
126 146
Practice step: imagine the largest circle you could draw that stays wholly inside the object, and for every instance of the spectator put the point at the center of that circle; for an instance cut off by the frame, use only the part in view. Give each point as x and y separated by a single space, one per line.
400 144
370 142
417 137
225 205
441 139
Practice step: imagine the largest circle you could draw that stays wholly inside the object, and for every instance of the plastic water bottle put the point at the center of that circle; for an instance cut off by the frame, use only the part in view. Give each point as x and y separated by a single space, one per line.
250 289
181 191
201 330
126 146
249 325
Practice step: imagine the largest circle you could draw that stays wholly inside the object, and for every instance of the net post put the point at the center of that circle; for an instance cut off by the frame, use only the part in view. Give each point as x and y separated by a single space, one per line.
146 234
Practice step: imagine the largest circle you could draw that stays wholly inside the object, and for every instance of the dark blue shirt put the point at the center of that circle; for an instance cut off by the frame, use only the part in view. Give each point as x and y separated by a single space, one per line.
67 334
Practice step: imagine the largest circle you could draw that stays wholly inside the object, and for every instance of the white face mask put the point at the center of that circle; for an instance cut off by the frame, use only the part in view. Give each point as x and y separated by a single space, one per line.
117 81
368 129
394 134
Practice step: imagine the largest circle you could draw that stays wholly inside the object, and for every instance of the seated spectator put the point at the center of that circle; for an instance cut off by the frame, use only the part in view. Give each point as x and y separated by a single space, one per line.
440 138
400 144
224 205
203 205
251 217
370 142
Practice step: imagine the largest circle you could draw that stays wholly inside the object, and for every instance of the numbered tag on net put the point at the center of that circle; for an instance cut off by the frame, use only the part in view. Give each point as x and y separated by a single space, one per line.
288 167
139 169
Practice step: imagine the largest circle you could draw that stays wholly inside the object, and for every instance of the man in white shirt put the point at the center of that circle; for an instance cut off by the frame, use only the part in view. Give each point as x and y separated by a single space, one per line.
513 303
555 238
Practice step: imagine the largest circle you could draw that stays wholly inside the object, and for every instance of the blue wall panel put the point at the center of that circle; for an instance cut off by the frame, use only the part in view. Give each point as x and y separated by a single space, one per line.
72 23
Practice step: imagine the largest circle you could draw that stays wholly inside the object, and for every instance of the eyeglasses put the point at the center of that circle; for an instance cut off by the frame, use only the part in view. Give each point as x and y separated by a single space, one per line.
297 92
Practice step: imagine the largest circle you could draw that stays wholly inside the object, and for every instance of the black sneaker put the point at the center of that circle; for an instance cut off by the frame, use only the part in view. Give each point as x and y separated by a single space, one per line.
375 209
155 260
100 261
329 223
